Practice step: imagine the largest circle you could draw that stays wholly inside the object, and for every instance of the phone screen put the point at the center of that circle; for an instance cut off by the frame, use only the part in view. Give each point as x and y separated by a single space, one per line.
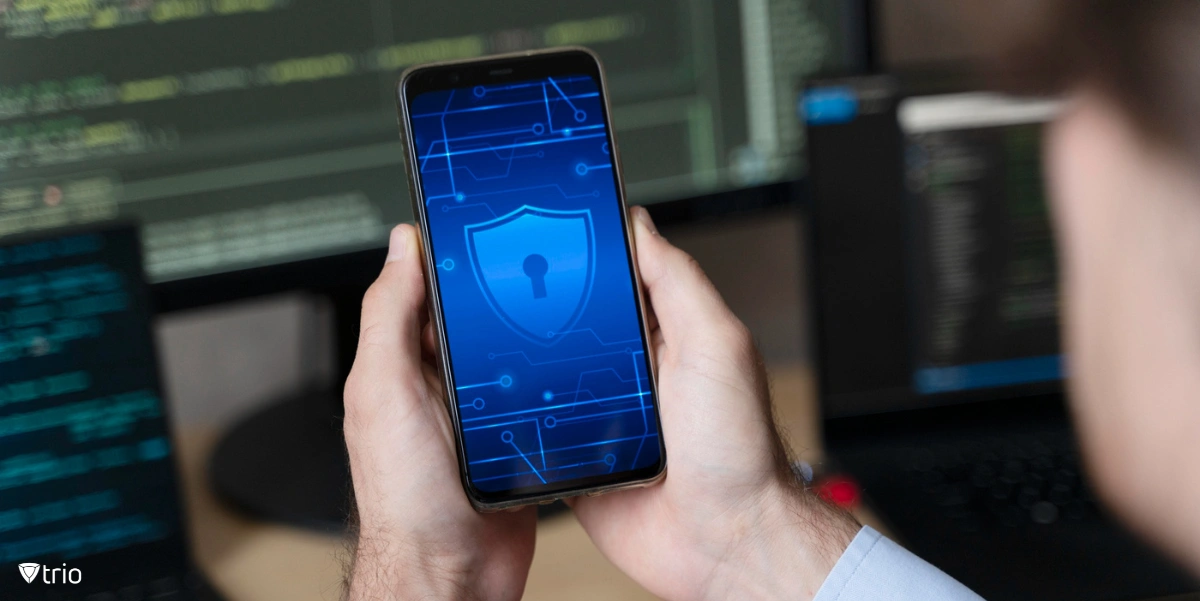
536 284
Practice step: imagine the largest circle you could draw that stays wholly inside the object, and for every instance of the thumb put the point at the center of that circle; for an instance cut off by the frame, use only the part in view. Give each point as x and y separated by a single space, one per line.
389 341
686 303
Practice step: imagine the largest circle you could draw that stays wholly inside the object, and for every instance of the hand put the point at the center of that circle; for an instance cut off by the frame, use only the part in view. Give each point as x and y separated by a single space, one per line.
418 536
729 521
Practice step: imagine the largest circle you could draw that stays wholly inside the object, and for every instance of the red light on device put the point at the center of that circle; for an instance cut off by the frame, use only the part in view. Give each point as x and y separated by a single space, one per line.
840 491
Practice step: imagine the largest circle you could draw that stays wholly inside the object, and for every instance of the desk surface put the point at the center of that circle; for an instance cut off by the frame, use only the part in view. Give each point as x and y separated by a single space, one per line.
250 560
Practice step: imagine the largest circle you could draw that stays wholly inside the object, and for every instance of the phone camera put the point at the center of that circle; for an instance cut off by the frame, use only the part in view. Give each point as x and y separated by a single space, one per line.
454 78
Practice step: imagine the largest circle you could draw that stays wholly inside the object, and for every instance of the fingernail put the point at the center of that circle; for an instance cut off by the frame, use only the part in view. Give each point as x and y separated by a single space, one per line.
642 215
399 244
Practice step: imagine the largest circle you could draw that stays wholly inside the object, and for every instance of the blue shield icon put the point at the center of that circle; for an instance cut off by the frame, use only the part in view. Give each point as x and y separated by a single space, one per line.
535 268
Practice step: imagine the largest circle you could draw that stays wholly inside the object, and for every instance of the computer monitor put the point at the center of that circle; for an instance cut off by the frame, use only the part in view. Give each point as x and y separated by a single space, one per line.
936 278
940 366
89 494
249 133
256 141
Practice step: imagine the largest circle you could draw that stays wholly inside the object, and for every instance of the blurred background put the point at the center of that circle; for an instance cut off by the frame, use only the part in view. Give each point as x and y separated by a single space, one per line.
254 142
223 346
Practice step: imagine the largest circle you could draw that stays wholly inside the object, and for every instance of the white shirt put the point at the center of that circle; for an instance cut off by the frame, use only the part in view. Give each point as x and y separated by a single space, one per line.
874 568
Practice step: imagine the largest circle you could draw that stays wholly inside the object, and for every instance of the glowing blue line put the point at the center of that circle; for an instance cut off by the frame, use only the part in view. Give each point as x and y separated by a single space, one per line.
493 134
507 172
495 106
567 420
481 146
571 406
546 100
507 132
505 145
579 382
485 148
512 190
428 154
553 469
514 86
453 189
538 425
518 86
642 408
575 392
527 461
579 389
514 155
613 370
561 360
547 407
469 386
598 339
520 145
564 95
571 448
597 126
475 204
528 188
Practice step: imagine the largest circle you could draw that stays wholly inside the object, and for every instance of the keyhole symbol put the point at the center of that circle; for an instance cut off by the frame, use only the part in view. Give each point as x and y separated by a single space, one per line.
536 267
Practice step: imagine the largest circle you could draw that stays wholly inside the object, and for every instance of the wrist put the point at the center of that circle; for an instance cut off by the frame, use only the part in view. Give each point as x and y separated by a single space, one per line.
390 570
792 547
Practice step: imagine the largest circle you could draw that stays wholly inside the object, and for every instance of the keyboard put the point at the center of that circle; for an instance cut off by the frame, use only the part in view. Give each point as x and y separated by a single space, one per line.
1006 482
1007 511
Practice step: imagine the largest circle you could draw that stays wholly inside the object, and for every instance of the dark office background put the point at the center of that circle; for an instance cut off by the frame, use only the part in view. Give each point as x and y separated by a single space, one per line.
223 361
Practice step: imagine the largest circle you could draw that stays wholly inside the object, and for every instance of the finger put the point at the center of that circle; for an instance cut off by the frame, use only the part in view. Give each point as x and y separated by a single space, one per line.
685 303
392 314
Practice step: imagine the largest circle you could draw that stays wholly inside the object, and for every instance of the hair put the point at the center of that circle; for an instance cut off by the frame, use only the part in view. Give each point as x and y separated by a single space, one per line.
1144 55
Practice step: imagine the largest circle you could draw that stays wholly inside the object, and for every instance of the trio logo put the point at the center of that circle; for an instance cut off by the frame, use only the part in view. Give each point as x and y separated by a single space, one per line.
29 571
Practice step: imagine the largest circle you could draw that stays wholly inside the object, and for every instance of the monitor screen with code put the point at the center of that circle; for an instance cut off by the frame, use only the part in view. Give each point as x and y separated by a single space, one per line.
87 476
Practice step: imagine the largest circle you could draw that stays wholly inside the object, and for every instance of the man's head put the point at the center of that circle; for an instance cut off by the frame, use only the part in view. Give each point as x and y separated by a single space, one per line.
1124 169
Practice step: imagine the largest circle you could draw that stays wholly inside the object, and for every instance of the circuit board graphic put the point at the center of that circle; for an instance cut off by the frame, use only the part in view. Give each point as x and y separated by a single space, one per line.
543 331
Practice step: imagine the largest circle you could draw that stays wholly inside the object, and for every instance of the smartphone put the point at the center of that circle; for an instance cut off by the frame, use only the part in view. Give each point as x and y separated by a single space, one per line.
533 284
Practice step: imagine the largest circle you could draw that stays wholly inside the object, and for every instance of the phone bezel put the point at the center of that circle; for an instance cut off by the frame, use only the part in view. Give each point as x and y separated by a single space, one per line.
494 70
